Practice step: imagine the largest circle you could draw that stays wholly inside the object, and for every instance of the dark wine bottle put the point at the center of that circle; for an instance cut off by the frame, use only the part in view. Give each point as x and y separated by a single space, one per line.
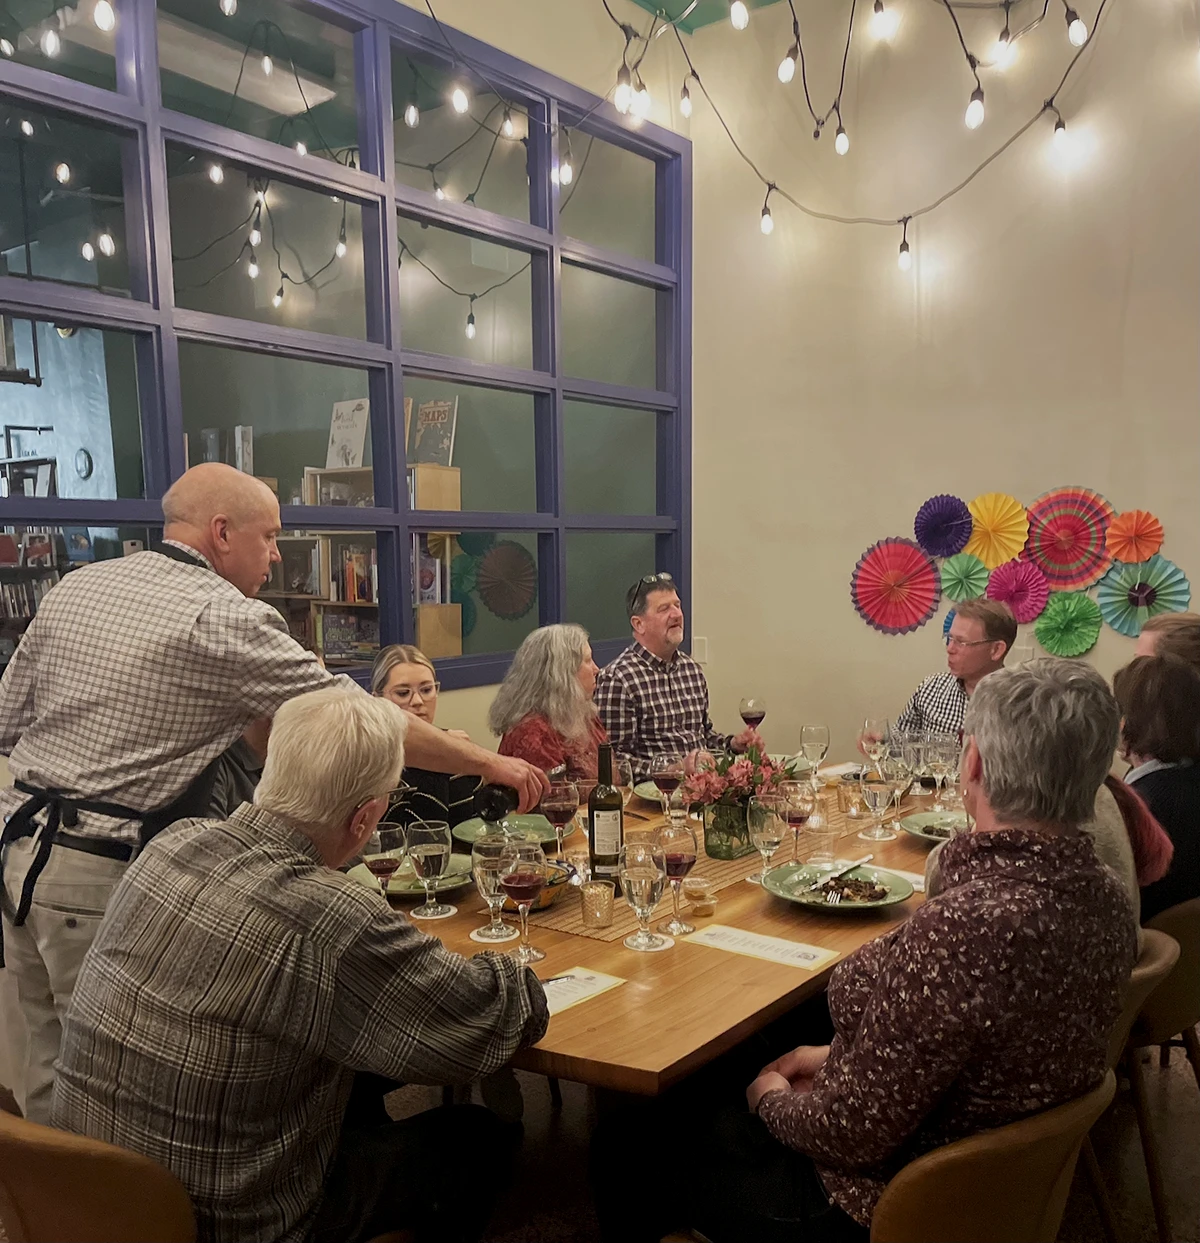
493 802
606 821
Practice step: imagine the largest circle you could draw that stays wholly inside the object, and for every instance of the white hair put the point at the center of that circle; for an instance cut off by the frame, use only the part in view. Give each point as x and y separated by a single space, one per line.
330 751
543 680
1046 733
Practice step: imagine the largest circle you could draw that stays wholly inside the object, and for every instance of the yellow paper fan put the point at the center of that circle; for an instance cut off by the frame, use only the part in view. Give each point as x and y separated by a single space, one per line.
999 530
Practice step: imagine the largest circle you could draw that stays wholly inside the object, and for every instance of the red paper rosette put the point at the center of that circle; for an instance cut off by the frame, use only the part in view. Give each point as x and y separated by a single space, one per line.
1022 586
1067 537
895 586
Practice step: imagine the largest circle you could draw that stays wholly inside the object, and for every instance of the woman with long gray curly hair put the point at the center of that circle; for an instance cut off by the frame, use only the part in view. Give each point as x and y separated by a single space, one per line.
543 710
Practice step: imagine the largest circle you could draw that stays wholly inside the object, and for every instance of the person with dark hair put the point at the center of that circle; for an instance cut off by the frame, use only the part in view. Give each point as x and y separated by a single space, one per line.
1160 737
653 699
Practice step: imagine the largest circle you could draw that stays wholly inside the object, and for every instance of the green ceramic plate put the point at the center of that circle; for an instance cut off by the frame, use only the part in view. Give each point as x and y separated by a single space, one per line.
934 826
649 791
404 883
790 880
532 827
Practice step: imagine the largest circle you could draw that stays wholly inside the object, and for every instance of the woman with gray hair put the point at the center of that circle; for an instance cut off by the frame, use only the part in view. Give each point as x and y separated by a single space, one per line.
543 709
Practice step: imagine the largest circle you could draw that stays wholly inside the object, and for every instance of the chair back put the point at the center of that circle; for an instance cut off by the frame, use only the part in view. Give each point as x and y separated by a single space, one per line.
1174 1006
1008 1183
61 1188
1159 954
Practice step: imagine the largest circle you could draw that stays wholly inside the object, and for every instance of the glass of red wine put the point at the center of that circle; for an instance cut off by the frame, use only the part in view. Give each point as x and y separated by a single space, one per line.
754 712
678 844
523 876
800 801
384 853
667 772
429 851
559 805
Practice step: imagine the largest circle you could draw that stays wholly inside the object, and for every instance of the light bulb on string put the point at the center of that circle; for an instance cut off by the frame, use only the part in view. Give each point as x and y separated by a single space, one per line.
108 247
640 106
438 192
884 21
87 251
27 128
301 147
6 47
260 197
1004 50
104 16
685 101
62 173
229 7
566 169
471 320
1060 133
623 95
412 114
255 235
268 65
252 267
974 113
1077 30
216 174
787 66
766 222
904 257
50 43
340 248
460 100
739 15
841 141
507 128
277 300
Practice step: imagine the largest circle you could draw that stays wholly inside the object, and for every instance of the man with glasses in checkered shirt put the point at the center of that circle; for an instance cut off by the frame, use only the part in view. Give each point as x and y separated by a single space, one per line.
977 643
653 699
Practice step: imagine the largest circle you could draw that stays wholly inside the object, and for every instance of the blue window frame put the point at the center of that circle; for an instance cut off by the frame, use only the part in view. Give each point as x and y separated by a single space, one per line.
651 403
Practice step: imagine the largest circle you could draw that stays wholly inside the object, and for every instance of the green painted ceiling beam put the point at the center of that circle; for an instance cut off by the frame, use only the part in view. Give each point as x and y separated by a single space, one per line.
705 12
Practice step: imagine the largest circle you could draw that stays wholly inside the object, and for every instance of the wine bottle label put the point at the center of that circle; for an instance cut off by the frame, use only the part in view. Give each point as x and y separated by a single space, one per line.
606 832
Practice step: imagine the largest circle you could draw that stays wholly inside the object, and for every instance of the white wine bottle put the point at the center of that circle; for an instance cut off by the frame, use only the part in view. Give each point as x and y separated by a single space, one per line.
606 821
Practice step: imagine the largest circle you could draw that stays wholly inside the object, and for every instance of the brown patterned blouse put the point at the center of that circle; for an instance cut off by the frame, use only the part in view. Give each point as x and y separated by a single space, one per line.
992 1002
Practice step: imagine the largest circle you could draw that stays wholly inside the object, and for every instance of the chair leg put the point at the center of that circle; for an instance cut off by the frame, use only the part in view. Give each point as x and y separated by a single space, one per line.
1192 1044
1164 1055
1099 1192
555 1092
1158 1195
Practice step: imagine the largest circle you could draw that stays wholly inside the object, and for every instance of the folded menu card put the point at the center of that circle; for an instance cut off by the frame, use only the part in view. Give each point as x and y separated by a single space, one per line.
569 988
755 945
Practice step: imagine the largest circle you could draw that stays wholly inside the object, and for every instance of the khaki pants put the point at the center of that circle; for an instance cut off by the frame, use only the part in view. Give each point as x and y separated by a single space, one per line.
44 955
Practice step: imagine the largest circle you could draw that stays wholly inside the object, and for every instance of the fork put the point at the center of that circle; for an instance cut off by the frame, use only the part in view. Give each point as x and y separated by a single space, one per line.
833 897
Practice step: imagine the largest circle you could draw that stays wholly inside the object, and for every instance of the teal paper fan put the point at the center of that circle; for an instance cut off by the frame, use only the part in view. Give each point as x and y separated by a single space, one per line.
1129 595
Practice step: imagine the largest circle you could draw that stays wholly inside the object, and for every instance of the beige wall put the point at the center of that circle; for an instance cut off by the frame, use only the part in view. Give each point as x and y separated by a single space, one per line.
1046 335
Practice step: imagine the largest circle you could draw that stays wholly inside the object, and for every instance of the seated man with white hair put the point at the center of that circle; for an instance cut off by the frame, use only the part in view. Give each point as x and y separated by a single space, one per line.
238 982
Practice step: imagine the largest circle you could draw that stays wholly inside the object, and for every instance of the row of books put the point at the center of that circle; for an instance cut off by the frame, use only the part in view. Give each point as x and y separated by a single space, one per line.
347 635
20 600
358 582
430 575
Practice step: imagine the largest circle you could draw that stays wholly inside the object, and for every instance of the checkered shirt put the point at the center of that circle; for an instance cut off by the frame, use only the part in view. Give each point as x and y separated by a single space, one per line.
233 990
651 707
133 676
939 703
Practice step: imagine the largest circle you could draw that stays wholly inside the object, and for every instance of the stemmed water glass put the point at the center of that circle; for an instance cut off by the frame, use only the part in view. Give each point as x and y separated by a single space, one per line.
753 712
523 875
766 817
642 869
897 771
487 866
877 794
814 746
912 745
678 843
623 778
429 850
942 752
800 801
667 774
384 853
876 738
559 805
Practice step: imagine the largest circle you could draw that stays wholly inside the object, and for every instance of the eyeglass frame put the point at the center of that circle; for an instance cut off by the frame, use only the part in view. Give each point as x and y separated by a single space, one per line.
952 640
636 595
420 690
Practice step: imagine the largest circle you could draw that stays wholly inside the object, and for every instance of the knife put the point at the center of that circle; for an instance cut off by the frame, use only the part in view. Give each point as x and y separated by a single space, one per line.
837 875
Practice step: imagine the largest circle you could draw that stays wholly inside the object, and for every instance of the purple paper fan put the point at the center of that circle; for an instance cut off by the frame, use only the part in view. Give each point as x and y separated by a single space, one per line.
943 526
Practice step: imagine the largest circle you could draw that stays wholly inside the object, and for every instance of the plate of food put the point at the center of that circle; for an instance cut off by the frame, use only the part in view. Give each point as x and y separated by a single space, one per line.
533 828
865 888
934 826
404 882
649 791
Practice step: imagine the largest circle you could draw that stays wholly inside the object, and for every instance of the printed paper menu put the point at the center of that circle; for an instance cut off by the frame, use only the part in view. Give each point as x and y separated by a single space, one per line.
756 945
569 988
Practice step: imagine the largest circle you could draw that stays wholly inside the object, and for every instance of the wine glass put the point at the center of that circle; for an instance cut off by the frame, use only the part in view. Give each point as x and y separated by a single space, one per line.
487 868
429 850
667 773
623 778
559 805
814 746
898 772
912 744
800 801
753 711
678 844
767 820
523 875
941 752
875 738
384 852
877 794
642 868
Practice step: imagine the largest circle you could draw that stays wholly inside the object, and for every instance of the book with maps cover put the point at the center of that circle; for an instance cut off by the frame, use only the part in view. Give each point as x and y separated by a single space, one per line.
433 432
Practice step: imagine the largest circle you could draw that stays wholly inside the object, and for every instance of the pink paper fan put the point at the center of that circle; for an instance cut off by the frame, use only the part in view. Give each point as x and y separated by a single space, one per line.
1022 586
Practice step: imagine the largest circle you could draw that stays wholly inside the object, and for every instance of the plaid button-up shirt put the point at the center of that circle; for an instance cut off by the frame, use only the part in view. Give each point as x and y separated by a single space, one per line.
233 989
135 674
651 707
939 704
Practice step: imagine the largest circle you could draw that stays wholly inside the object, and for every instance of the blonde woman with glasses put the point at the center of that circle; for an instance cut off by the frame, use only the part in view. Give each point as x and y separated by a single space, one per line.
405 675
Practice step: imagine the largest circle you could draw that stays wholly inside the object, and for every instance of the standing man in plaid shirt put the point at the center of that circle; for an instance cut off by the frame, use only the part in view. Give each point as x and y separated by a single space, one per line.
134 677
653 699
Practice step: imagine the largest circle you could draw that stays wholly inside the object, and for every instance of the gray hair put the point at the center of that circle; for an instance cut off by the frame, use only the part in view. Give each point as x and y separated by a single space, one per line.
1046 734
330 751
543 679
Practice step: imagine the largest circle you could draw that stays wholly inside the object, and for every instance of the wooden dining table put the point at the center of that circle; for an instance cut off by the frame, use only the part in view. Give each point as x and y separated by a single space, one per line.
681 1008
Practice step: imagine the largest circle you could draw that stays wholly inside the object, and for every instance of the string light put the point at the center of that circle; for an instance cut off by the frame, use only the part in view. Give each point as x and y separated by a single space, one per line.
340 248
87 252
277 300
1004 50
62 173
27 128
904 258
507 128
841 141
766 221
1077 30
566 169
623 95
685 101
974 113
460 100
787 66
252 268
301 148
229 7
412 114
739 15
108 247
255 235
1060 132
640 107
438 192
884 21
103 16
6 47
216 174
471 320
268 65
50 43
260 197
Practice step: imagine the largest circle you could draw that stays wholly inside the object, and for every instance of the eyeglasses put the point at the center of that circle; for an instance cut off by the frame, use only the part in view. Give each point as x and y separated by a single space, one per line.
661 577
953 640
402 694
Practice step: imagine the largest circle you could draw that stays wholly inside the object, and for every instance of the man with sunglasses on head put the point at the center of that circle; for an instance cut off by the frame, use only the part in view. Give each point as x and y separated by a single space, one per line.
977 643
653 699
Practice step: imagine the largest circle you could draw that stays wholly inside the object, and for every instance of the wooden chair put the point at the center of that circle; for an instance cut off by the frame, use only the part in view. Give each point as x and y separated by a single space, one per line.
61 1188
1171 1010
1008 1183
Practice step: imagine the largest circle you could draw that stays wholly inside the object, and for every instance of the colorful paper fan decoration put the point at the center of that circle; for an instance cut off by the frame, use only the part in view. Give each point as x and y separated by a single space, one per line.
895 586
1067 537
1069 624
469 613
1020 585
476 543
964 577
1130 595
943 526
464 571
1134 536
950 616
999 528
507 579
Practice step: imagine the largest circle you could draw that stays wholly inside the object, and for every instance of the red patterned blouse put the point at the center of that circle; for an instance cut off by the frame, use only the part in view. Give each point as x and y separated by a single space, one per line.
536 740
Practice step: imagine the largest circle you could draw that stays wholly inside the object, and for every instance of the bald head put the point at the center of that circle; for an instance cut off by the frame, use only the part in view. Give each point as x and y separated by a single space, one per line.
230 517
